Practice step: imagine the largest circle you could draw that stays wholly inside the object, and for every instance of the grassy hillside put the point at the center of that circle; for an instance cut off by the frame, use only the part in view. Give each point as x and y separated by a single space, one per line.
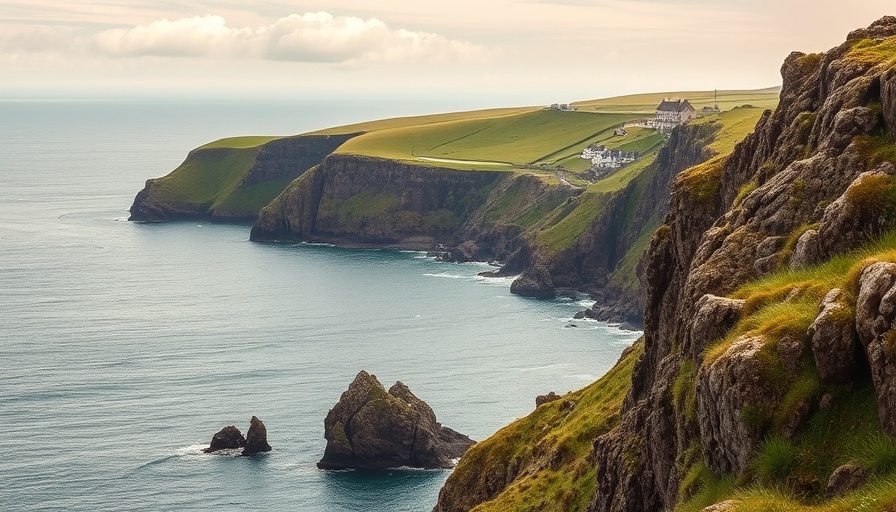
519 140
788 474
549 448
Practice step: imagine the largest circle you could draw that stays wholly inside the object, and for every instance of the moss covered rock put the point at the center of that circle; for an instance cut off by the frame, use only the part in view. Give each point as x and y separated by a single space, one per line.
370 428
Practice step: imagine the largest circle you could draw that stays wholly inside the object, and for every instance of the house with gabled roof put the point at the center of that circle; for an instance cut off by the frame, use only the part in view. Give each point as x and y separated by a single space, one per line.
671 113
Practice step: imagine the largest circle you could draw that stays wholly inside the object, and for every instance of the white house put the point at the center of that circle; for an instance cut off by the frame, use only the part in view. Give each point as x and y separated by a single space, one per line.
671 113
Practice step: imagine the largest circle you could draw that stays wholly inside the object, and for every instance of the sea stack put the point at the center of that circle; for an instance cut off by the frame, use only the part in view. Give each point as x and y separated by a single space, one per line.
228 438
256 438
370 428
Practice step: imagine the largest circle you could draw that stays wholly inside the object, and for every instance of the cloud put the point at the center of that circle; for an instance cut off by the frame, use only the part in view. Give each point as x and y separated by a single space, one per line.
188 37
310 37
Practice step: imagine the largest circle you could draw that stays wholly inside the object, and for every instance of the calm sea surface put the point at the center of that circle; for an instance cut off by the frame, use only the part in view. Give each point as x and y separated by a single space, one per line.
124 347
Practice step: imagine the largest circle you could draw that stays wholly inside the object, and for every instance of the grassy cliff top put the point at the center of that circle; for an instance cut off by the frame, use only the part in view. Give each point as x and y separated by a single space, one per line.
646 103
514 138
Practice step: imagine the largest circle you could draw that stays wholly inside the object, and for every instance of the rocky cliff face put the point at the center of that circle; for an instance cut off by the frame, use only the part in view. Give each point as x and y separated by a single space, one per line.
632 213
231 183
810 183
353 199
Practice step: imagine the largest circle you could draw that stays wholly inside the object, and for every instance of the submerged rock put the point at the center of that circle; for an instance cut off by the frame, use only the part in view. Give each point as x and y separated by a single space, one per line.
370 428
256 438
228 438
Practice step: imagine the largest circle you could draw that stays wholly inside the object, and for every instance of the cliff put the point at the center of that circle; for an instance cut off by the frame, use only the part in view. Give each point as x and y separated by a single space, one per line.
230 180
766 378
723 377
359 200
559 236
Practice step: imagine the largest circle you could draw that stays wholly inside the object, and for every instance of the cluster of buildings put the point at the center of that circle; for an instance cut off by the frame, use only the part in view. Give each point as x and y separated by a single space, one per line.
669 114
566 107
607 159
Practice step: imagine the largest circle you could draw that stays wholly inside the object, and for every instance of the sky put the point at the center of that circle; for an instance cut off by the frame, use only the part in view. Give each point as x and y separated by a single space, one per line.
507 52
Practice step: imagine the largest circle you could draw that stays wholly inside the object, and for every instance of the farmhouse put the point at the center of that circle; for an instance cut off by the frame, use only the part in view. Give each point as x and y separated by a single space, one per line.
671 113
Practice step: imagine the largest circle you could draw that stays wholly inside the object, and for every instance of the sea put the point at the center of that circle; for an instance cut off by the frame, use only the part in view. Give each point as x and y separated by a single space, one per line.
124 346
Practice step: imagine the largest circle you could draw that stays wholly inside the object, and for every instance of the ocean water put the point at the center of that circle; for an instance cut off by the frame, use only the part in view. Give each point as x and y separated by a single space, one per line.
124 347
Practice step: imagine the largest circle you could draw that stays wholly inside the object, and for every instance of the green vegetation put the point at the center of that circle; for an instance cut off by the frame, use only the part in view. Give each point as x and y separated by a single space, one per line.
252 141
702 181
521 140
879 53
206 177
550 447
646 103
788 473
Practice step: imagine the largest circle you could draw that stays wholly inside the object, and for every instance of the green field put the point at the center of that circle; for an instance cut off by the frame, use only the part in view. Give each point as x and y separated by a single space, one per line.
647 103
533 138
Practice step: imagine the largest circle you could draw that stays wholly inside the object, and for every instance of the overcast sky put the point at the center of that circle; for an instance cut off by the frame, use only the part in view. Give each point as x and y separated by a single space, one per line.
507 51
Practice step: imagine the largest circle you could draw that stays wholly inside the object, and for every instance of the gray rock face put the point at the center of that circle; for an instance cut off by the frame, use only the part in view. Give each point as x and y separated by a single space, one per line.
875 312
806 252
535 282
731 392
256 438
715 316
846 478
370 428
800 159
834 343
854 218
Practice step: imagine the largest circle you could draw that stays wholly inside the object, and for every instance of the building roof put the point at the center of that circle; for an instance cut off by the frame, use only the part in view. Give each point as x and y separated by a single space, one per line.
674 106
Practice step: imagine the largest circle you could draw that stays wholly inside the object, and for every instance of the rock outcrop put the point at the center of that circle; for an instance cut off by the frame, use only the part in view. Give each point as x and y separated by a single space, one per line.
228 438
811 173
256 438
370 428
535 282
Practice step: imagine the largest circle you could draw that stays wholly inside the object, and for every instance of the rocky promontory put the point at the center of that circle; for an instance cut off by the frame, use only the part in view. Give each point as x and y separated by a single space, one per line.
370 428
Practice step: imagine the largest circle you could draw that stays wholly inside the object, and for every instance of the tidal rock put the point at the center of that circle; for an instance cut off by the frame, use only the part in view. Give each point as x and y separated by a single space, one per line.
846 478
370 428
228 438
256 438
535 282
834 343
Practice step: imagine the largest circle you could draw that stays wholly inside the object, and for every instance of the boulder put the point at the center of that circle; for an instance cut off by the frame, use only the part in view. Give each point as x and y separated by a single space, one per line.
535 282
875 313
543 399
228 438
734 400
858 215
846 478
256 438
714 318
723 506
834 343
805 253
370 428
